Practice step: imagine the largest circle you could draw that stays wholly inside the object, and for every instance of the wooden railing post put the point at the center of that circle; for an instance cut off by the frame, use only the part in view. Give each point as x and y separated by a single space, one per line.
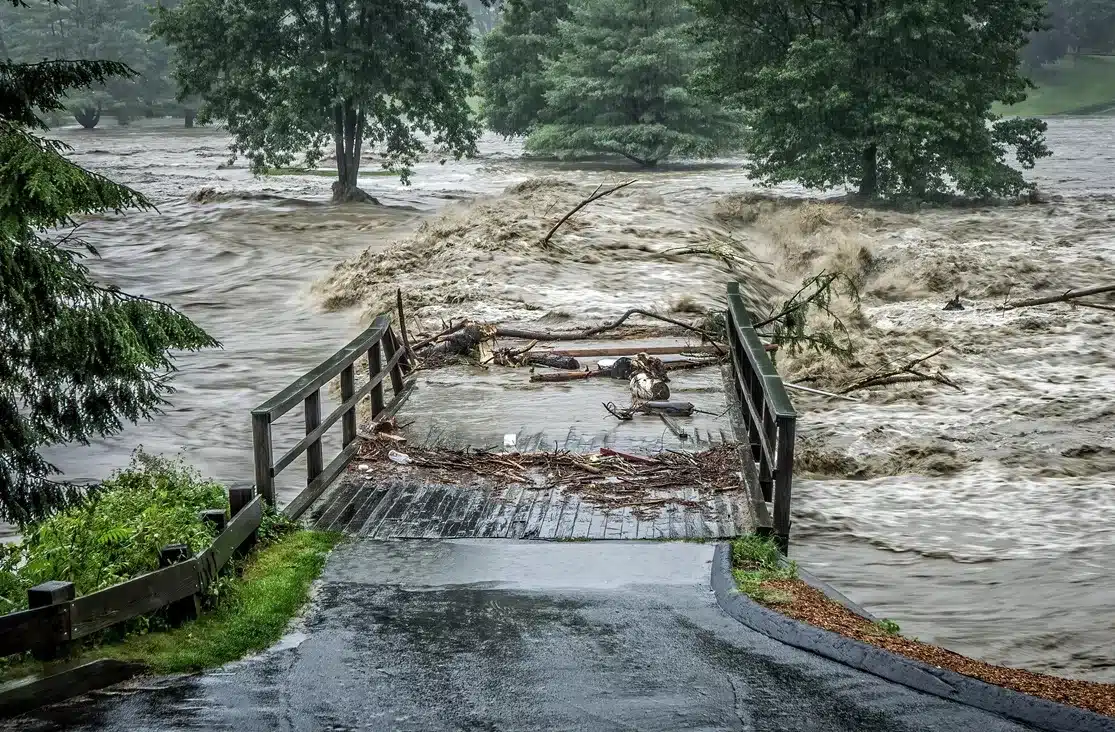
215 517
348 419
389 349
188 608
375 364
261 447
784 476
48 594
238 498
314 462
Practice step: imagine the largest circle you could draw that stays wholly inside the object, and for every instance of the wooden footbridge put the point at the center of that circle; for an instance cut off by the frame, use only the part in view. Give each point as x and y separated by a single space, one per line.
536 491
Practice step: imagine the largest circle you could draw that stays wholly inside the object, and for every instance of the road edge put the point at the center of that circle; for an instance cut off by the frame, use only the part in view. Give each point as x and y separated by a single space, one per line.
943 683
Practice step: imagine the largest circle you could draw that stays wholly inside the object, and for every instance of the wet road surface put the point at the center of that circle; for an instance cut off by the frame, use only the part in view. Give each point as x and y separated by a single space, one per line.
504 635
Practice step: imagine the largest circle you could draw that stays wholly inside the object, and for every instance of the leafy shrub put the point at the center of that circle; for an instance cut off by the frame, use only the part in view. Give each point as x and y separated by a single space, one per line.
115 534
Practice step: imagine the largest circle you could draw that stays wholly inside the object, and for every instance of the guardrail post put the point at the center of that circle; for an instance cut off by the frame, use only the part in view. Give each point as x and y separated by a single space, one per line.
261 447
49 594
314 462
390 348
348 419
188 608
238 498
375 365
215 517
784 476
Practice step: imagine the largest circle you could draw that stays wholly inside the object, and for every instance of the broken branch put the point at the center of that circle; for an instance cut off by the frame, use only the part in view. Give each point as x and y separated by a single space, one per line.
596 196
1067 296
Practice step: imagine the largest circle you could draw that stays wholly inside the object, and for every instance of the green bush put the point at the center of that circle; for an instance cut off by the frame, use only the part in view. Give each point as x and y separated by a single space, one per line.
115 534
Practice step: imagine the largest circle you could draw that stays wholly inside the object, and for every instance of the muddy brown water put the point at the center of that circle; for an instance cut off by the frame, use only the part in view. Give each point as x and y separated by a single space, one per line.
985 520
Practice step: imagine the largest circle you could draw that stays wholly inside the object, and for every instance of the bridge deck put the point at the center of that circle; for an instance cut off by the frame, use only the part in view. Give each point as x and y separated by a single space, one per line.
518 493
405 507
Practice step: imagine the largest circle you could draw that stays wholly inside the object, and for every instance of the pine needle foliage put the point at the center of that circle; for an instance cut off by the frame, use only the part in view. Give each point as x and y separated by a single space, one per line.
77 358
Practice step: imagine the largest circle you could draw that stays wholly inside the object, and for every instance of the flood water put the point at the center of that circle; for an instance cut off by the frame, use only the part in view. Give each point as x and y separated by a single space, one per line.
1000 555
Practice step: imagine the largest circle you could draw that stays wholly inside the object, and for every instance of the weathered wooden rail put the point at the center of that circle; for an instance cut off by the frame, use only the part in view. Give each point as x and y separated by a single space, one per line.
768 415
56 617
393 363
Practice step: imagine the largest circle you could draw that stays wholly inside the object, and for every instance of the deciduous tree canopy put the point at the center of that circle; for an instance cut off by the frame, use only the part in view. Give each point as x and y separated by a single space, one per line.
891 97
287 77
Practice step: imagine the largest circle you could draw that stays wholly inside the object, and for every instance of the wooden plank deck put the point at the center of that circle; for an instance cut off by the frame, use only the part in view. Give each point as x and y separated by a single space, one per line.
405 507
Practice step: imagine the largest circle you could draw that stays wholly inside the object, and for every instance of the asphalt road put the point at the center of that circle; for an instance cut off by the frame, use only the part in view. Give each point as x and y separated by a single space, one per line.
509 636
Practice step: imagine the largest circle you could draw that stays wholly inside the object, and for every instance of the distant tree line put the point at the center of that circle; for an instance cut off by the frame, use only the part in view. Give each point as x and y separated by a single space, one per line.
1072 26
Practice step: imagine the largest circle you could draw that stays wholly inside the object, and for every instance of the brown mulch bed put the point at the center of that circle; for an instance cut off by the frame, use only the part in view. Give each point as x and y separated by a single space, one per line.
611 480
812 606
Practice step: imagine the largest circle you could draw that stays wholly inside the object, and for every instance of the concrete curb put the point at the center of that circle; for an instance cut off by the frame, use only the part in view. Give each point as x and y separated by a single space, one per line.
1045 715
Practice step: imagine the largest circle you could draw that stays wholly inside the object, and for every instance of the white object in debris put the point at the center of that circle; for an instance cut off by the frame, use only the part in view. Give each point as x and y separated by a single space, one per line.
510 440
605 363
398 457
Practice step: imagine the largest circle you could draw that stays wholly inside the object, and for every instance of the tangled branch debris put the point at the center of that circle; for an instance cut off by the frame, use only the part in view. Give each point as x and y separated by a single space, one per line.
908 372
596 196
610 479
468 339
1068 296
790 326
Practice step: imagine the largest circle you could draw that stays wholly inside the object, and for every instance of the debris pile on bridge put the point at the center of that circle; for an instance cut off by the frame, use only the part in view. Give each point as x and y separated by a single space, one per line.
609 478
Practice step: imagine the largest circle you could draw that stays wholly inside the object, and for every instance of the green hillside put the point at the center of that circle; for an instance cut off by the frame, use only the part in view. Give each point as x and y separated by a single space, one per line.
1073 85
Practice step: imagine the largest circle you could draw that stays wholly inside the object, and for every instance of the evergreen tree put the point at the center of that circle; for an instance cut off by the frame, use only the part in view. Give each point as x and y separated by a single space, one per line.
76 357
513 58
622 85
893 97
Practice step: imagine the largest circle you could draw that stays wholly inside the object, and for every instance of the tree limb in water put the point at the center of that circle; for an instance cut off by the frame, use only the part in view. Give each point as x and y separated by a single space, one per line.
906 373
1067 296
532 335
596 196
1095 305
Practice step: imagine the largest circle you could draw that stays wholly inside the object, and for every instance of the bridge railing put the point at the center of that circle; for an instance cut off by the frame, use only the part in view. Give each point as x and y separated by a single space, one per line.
385 357
768 415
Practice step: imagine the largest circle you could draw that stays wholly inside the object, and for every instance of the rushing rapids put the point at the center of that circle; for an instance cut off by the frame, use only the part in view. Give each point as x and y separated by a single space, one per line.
978 518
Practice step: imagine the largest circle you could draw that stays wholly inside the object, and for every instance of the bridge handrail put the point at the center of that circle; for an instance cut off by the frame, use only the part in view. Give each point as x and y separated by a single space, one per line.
768 414
307 390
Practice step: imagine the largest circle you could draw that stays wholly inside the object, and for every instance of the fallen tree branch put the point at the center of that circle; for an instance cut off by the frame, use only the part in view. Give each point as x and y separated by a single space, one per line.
1067 296
1095 305
906 373
596 196
530 335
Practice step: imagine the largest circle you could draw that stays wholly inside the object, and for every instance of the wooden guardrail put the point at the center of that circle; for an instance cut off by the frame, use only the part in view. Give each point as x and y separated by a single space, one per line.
767 413
55 616
307 390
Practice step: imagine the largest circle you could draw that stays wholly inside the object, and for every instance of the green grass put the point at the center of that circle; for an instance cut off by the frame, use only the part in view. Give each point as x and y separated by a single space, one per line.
756 560
259 602
1080 85
272 589
325 172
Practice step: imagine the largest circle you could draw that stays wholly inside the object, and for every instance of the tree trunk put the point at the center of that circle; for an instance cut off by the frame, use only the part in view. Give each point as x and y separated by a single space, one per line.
869 175
348 133
190 115
88 117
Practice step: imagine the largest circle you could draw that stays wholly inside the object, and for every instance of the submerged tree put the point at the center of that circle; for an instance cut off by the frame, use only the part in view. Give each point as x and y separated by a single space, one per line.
511 78
893 98
288 77
77 357
622 85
